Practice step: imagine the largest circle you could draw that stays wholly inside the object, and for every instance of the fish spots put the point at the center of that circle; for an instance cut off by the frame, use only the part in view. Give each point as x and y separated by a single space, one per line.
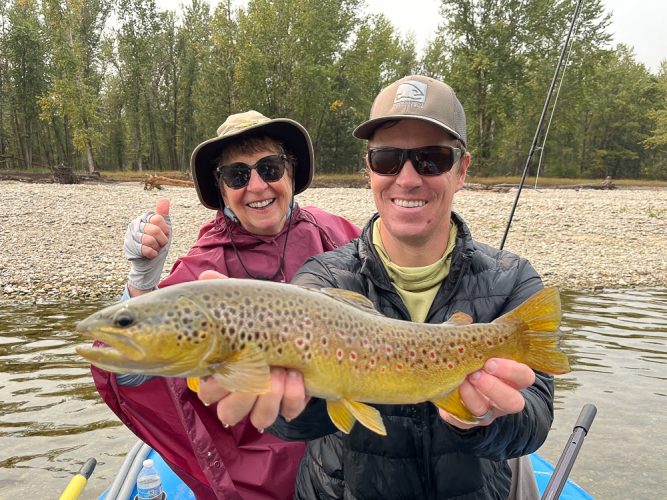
399 367
461 349
353 356
432 355
372 363
324 340
300 342
450 366
307 322
389 351
412 354
340 355
489 342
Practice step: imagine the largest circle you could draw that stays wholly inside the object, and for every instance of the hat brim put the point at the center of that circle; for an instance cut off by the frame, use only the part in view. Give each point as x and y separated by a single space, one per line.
366 129
291 134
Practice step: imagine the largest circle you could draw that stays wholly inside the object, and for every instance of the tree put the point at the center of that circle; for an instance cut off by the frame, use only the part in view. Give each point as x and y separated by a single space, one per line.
75 32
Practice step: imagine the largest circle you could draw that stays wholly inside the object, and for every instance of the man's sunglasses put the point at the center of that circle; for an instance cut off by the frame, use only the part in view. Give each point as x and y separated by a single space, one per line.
429 160
237 175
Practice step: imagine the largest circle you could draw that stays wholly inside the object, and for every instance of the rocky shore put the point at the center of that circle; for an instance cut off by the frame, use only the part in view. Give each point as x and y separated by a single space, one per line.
64 242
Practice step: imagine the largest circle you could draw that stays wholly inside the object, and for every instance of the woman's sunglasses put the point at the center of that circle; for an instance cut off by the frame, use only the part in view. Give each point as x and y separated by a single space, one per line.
237 175
429 160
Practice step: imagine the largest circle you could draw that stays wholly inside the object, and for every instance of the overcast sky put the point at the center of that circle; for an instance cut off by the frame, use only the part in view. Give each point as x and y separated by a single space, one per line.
637 23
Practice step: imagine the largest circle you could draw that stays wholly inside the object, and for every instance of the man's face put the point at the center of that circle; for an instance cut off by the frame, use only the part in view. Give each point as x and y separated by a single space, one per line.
415 210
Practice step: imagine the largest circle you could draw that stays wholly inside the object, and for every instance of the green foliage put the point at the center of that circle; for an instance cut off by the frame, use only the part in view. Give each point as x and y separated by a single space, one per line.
139 89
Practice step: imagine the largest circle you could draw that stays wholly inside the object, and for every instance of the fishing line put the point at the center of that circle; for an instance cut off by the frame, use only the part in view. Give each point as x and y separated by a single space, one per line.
541 121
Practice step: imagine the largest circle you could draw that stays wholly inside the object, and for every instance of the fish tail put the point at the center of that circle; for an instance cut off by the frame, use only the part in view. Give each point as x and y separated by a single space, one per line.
538 320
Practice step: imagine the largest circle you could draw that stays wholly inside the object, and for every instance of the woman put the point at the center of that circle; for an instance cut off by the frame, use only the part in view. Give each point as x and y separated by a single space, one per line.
249 174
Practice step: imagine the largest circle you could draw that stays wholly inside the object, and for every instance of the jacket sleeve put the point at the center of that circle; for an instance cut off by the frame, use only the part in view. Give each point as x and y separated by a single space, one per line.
522 433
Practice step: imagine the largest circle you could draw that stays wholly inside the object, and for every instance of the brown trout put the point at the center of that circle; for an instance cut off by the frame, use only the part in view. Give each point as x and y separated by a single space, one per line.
348 353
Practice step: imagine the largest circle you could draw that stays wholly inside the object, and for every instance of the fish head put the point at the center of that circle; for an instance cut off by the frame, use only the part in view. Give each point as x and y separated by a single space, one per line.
164 333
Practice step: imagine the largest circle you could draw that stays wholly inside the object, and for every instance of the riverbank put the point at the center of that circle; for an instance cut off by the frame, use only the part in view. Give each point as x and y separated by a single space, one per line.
64 242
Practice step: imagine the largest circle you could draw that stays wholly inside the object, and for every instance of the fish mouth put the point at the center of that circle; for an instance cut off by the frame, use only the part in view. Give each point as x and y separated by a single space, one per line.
117 350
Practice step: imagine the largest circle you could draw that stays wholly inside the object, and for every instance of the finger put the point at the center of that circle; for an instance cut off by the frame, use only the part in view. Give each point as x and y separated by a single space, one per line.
475 401
295 400
211 275
162 206
266 409
505 398
160 222
451 420
210 390
235 406
157 233
149 246
511 372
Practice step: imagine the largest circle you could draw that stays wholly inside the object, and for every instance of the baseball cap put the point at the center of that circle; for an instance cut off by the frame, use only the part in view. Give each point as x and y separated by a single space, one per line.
420 98
290 133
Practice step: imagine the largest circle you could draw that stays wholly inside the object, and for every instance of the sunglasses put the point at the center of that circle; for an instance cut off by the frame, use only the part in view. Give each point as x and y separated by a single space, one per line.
237 175
429 160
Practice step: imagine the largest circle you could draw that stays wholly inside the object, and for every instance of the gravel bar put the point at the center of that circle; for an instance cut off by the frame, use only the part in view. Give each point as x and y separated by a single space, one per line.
64 242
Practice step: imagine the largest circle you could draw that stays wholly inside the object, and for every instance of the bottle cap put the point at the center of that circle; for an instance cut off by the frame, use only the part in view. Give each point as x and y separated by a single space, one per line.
148 463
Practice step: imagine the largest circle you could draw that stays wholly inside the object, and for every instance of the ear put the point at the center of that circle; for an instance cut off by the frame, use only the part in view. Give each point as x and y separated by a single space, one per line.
464 163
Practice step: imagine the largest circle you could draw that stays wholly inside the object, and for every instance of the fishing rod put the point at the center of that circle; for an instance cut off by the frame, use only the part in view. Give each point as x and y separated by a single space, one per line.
577 10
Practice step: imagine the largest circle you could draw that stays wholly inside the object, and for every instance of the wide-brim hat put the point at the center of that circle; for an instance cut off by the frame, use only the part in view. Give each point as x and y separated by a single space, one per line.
290 133
417 97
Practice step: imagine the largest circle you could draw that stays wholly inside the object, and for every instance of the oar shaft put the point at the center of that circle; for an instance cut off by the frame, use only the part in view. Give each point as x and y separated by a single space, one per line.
79 481
569 455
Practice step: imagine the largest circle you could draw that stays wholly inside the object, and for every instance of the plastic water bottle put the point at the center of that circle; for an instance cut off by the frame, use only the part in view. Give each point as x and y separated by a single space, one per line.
149 483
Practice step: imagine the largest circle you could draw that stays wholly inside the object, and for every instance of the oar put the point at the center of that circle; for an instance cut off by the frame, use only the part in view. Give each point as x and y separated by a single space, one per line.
569 455
78 482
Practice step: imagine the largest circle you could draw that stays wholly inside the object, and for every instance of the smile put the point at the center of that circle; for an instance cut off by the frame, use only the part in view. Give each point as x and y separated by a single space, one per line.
261 204
409 203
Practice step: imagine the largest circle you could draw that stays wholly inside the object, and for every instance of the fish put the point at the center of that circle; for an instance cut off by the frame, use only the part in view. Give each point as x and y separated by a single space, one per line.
349 354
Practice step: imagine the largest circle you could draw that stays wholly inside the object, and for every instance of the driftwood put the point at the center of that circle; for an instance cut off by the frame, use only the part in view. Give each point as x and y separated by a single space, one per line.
63 174
504 187
157 181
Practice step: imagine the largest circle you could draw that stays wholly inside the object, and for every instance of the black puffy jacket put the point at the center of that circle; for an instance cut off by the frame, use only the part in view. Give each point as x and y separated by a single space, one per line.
422 456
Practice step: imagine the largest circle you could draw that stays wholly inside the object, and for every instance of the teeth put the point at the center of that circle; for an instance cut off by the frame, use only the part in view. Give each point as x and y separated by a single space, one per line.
261 204
409 203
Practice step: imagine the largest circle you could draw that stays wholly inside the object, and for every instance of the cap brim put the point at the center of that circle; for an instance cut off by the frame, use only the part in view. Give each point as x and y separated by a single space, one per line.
291 134
366 129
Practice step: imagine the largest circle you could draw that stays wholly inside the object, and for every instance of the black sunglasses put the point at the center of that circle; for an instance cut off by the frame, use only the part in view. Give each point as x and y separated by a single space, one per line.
429 160
237 175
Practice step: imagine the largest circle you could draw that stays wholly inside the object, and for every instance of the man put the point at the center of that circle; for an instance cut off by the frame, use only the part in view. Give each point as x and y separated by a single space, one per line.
416 261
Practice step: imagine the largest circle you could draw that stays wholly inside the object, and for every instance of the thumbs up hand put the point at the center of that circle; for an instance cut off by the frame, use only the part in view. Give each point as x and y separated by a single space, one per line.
147 242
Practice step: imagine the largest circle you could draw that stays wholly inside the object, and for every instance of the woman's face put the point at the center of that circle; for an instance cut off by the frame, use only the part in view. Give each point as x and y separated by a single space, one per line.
261 207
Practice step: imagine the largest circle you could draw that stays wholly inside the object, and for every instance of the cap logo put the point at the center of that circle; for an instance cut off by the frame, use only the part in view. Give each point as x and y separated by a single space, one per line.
411 92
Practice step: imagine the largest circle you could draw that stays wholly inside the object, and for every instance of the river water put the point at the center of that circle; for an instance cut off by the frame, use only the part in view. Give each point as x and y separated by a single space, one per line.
52 420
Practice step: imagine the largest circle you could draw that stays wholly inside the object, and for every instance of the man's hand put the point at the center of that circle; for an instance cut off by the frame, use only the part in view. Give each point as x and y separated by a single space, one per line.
493 391
147 242
287 395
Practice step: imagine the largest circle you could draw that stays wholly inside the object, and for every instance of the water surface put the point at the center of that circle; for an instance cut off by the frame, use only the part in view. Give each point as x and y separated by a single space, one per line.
52 420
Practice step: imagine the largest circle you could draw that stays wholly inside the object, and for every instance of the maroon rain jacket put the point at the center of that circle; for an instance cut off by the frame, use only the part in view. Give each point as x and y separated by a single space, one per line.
238 462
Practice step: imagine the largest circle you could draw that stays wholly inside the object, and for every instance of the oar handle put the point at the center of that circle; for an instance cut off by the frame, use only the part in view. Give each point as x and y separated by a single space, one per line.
78 482
569 455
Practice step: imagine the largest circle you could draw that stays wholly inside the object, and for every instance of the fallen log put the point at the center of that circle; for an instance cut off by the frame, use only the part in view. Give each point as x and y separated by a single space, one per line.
157 181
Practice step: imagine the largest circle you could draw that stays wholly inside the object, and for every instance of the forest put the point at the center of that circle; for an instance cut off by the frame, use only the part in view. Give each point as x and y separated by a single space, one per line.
120 85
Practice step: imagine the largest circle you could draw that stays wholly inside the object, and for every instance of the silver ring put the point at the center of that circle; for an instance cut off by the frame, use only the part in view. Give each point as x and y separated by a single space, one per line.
487 416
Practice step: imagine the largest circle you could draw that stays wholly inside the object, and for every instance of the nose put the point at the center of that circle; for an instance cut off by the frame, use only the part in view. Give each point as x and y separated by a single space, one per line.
256 183
408 176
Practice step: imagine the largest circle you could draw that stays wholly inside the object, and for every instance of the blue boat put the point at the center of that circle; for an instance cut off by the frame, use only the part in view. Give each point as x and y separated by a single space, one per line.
124 487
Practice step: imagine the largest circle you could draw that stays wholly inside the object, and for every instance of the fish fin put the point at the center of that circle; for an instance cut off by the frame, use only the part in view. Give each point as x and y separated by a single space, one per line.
245 371
539 317
453 405
340 415
352 298
344 412
459 319
367 416
193 383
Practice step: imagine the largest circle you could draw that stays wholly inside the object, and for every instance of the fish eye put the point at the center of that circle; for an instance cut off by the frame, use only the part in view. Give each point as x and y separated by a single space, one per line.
123 319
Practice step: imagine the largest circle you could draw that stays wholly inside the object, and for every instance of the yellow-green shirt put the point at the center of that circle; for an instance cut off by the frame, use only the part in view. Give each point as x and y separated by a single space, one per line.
417 286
